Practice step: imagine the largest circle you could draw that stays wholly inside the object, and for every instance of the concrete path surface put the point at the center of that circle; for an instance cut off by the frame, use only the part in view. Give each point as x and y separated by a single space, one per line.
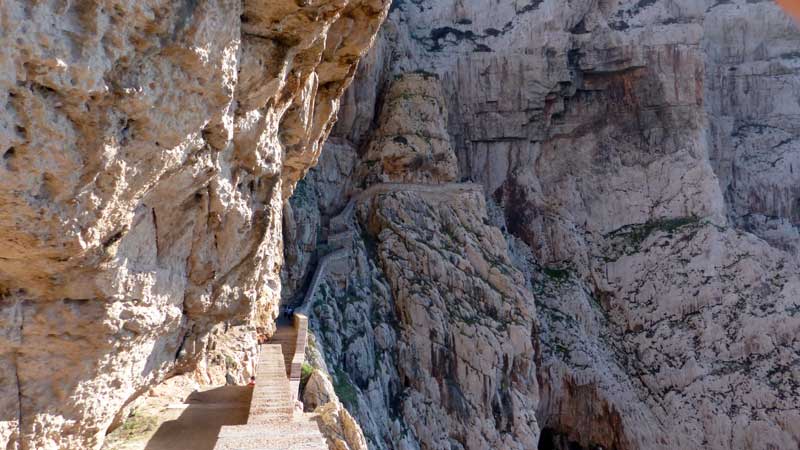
233 417
202 418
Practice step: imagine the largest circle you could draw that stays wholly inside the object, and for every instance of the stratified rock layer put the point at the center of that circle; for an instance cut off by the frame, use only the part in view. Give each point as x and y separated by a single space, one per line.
146 149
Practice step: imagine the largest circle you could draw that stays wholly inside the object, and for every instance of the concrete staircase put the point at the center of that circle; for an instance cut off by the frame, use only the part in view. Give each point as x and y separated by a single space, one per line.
273 423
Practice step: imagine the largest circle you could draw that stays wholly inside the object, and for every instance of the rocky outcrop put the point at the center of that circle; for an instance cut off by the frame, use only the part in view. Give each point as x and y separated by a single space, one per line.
147 149
465 321
339 427
426 328
638 157
317 391
411 144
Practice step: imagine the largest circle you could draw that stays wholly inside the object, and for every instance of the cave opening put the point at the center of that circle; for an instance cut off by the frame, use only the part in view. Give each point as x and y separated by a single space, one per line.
551 439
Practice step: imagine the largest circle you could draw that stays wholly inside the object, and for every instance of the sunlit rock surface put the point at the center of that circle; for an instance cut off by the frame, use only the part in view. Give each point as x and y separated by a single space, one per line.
147 149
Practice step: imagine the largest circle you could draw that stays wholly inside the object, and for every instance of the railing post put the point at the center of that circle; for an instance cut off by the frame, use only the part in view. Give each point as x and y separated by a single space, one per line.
300 324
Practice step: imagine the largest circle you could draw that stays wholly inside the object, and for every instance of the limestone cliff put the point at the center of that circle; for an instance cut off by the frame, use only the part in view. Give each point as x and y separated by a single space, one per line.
637 157
421 321
539 223
147 150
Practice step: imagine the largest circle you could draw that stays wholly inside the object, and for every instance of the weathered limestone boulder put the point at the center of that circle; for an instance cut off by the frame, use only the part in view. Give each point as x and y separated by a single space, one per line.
318 391
339 428
147 149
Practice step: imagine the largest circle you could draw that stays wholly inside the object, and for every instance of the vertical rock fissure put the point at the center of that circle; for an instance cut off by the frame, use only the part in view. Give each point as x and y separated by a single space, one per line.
19 398
21 314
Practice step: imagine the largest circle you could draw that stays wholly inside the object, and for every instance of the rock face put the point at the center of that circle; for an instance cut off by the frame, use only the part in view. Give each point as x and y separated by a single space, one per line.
411 143
430 340
637 157
339 427
147 149
465 342
539 224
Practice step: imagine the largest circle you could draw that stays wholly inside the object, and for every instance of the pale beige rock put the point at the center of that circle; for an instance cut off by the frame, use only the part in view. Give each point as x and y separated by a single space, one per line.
318 391
465 343
147 150
339 428
411 143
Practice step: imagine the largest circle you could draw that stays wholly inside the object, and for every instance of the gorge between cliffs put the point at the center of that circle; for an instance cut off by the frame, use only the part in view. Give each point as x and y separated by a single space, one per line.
511 224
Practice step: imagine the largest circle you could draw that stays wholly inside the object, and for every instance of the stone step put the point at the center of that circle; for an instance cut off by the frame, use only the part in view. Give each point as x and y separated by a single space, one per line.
259 445
272 419
260 415
270 403
272 389
271 374
301 430
300 422
286 432
266 408
269 408
271 395
270 399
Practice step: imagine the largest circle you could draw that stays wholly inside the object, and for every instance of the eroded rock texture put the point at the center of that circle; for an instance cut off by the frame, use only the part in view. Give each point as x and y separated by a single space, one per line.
424 326
411 143
465 321
147 148
638 158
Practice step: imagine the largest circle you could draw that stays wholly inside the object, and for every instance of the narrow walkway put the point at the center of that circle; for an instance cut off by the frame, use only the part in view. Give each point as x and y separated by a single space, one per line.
197 425
272 423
